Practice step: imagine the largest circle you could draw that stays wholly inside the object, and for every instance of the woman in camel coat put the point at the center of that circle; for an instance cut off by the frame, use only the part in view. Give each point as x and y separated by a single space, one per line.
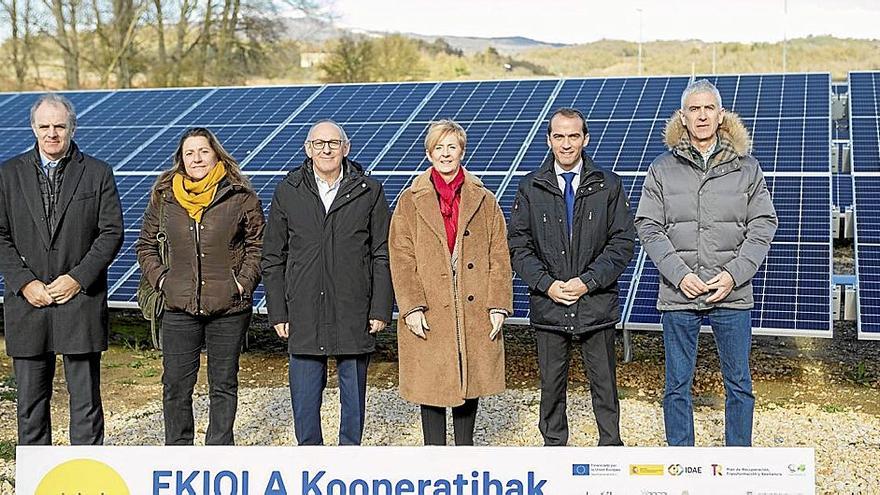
453 282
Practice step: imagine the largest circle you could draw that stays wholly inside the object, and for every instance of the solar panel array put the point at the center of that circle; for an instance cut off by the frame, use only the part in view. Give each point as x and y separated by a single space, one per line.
864 94
264 127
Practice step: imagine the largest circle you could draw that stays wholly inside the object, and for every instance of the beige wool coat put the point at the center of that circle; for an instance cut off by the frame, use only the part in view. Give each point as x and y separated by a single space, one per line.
457 361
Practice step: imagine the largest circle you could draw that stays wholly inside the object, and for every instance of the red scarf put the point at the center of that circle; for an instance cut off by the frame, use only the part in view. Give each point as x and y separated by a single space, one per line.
450 197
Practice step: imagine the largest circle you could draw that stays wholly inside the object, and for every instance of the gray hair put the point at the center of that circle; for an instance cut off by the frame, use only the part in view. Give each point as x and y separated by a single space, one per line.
342 133
55 99
701 86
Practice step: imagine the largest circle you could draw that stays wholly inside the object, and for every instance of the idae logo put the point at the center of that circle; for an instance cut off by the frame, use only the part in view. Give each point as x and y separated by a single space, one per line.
82 477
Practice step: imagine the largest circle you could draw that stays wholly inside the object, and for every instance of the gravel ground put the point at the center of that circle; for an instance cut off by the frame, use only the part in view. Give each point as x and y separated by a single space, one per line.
846 442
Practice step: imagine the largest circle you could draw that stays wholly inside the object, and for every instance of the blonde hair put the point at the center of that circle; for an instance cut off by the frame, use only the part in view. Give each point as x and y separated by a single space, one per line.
442 128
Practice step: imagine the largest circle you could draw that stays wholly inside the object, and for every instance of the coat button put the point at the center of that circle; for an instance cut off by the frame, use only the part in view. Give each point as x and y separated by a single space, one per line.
467 233
563 252
201 227
470 298
363 185
190 227
203 282
470 266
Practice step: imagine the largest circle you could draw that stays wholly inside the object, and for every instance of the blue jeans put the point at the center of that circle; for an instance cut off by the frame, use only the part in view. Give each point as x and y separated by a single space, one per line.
308 378
733 336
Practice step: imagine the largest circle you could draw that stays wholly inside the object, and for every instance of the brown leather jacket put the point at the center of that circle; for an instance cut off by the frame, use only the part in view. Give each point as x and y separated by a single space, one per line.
206 259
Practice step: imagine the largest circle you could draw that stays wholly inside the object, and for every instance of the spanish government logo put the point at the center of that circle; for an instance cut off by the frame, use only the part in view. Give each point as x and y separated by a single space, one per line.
82 477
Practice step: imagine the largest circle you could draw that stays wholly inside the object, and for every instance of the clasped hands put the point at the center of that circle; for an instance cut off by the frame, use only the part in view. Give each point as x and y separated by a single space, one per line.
283 329
61 290
567 293
693 286
418 324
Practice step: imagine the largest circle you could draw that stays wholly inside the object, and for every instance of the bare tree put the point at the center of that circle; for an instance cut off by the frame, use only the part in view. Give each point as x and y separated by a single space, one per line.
181 46
65 14
160 72
14 11
205 43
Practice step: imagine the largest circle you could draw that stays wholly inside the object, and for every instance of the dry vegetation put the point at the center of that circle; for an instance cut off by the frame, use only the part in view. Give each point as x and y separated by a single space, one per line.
70 44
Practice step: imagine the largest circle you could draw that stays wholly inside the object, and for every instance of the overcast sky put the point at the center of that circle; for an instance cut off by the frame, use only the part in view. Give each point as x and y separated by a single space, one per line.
581 21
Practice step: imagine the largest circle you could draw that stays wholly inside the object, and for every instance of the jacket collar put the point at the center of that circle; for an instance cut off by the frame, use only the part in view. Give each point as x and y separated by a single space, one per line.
546 174
306 173
733 139
428 206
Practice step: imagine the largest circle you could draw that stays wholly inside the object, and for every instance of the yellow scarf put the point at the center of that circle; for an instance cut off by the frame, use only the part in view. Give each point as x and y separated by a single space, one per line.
195 196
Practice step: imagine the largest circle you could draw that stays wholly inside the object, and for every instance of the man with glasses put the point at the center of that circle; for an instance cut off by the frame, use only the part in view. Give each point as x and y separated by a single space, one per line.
328 285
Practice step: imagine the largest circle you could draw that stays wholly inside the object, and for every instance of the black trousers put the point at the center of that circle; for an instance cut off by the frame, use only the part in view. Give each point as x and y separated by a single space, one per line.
183 337
464 418
34 377
600 361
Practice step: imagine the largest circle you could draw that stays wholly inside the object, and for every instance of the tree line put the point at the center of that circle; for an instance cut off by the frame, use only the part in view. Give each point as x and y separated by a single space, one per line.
160 43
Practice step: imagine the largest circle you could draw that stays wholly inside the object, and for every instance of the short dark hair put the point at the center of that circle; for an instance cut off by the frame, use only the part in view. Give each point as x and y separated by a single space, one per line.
572 113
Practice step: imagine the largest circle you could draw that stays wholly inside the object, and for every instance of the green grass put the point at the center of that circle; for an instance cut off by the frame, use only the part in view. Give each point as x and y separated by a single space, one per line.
7 450
860 374
11 392
833 408
129 329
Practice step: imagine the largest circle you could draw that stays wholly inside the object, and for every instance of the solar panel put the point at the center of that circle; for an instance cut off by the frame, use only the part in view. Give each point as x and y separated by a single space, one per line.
264 128
864 88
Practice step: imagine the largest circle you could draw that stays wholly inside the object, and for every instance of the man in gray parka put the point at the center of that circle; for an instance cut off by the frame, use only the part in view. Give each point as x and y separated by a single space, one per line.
706 220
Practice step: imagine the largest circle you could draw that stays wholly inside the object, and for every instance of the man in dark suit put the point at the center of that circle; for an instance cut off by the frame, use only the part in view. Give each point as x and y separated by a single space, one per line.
60 228
571 235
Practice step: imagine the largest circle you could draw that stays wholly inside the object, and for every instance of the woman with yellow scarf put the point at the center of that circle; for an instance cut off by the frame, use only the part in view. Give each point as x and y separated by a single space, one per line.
213 225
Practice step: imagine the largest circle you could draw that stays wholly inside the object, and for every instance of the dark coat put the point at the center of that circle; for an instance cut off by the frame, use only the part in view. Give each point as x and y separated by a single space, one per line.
457 361
205 264
85 241
327 274
598 251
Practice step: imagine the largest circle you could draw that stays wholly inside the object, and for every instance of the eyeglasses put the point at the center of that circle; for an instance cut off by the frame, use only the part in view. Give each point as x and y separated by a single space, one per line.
319 144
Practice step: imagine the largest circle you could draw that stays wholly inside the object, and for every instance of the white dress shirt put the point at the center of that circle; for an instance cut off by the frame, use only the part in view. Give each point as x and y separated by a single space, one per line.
327 191
577 175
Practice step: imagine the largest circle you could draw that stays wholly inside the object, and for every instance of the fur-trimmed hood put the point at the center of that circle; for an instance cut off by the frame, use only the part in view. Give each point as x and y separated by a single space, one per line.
731 130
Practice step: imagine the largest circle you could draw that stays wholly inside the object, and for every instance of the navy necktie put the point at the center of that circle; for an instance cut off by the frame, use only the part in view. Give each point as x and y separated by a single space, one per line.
569 199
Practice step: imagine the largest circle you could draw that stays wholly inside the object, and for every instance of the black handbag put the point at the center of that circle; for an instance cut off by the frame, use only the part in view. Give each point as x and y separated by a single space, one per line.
150 300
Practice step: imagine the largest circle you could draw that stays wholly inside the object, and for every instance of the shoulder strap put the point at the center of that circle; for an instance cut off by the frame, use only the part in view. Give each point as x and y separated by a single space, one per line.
162 235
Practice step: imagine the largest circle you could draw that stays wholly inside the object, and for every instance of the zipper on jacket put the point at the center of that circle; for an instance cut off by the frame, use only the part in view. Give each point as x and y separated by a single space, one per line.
198 247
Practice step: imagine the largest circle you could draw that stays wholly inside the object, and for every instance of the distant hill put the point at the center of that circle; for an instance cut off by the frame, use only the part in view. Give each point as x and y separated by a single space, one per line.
319 31
507 46
620 58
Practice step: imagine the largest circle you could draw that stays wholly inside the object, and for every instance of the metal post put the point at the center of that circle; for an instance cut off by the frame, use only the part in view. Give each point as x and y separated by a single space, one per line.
785 36
640 40
627 346
713 59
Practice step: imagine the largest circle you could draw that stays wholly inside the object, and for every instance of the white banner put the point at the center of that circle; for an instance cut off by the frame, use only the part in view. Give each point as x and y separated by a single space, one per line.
412 471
